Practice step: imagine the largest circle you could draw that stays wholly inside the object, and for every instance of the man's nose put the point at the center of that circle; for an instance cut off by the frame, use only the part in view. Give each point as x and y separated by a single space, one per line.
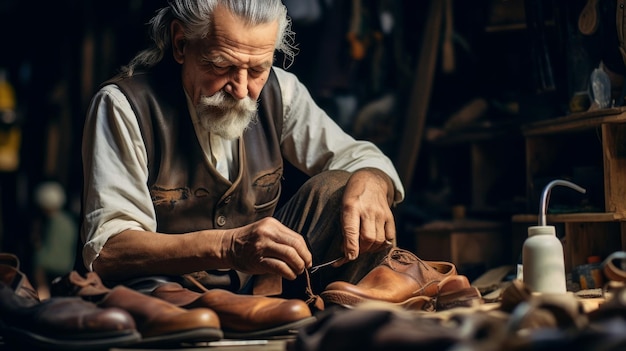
237 87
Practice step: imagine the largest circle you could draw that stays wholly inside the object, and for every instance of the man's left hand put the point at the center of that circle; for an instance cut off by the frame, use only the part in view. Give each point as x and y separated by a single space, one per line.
367 220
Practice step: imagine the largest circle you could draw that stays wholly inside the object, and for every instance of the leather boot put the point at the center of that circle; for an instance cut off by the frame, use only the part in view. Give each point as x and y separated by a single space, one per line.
242 316
401 276
158 321
68 323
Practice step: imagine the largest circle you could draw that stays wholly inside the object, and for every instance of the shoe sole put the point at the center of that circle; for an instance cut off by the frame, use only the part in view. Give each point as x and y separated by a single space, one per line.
466 297
349 300
82 342
342 298
187 336
285 330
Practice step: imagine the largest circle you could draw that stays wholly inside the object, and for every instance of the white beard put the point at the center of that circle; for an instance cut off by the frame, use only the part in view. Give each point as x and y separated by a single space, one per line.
225 116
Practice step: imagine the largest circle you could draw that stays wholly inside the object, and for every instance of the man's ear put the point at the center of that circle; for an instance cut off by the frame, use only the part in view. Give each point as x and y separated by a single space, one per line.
178 41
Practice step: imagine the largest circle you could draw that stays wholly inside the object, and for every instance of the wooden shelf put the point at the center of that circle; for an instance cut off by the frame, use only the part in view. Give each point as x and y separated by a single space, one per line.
576 122
510 163
588 147
477 132
571 217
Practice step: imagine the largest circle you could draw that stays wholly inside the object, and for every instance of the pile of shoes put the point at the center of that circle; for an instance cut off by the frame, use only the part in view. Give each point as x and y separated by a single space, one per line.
240 316
520 321
83 314
405 280
57 323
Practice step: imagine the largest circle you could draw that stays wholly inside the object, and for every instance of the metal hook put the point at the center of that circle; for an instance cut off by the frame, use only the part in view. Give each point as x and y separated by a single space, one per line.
315 268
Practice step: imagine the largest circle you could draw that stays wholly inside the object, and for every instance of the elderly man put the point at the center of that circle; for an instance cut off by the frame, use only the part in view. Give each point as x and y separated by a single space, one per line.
183 157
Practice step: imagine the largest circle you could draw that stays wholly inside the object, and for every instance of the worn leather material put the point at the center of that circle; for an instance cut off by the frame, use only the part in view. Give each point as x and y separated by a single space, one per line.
66 316
268 285
57 322
154 317
400 276
237 312
157 317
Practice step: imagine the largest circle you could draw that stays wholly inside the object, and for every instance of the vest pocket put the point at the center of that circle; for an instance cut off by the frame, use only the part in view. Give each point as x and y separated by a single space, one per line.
269 204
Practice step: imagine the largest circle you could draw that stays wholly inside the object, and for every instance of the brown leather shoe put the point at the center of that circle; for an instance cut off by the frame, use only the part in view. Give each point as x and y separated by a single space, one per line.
400 277
67 323
157 320
242 316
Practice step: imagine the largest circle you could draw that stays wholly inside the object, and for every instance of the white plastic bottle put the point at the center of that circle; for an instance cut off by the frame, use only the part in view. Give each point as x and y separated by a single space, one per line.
543 261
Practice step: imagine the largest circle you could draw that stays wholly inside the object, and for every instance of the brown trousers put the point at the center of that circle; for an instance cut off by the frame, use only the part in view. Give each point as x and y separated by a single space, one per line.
315 212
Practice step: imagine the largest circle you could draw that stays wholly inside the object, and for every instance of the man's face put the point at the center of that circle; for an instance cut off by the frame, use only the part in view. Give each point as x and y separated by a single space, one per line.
224 73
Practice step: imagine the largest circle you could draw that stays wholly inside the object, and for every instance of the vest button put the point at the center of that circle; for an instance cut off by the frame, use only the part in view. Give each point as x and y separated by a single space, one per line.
221 220
227 199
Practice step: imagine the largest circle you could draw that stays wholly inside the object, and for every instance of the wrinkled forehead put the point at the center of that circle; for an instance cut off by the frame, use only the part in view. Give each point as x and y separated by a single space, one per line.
232 36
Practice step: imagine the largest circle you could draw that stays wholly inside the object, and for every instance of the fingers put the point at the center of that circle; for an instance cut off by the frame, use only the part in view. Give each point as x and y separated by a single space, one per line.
267 246
279 266
376 234
368 223
283 258
364 232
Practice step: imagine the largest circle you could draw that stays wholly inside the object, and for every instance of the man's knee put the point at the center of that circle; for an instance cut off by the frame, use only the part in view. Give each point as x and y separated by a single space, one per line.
326 182
316 204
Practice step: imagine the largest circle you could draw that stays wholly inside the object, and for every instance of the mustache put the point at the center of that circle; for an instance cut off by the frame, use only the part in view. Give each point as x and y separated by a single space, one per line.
224 101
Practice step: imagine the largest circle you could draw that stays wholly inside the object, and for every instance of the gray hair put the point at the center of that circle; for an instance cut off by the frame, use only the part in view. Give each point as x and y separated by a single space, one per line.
197 18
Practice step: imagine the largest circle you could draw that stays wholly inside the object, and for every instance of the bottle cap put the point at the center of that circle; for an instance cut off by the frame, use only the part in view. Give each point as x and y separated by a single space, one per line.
541 230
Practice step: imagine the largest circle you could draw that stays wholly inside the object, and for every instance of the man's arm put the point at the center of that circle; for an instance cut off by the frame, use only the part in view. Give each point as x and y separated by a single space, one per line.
313 142
265 246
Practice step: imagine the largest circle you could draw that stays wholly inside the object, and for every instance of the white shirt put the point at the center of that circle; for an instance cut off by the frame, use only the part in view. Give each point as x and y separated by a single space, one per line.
116 170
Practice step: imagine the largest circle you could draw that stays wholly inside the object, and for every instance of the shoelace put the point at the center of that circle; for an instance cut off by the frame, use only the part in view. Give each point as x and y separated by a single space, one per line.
403 257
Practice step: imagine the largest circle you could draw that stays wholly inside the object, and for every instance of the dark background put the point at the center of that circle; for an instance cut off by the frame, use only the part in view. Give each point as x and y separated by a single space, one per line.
56 53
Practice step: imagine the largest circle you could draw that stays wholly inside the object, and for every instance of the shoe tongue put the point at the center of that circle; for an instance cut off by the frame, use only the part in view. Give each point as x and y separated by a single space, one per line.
405 262
89 287
403 257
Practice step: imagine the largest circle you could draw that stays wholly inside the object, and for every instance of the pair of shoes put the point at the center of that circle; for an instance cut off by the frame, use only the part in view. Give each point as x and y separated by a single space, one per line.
401 278
242 316
158 321
59 322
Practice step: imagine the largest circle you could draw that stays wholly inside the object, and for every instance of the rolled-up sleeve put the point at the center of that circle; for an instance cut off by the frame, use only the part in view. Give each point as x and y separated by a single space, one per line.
116 196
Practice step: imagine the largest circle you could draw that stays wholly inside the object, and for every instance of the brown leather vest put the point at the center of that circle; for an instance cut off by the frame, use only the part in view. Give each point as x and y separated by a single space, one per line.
187 191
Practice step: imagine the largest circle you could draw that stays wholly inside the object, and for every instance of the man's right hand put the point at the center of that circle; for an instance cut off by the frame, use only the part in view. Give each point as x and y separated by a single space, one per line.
266 246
